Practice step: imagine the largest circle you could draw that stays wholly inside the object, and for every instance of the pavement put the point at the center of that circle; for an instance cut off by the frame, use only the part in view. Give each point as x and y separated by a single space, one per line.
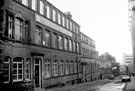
130 86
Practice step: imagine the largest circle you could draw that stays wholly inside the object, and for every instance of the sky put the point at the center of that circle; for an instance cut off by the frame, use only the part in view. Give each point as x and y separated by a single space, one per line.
105 21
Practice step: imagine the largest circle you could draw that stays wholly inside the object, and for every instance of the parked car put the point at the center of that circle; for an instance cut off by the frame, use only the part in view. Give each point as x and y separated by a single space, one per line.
126 78
111 76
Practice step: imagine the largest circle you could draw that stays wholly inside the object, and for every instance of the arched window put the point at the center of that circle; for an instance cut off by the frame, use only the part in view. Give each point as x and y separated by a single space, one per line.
54 40
18 69
48 12
18 29
46 38
70 45
60 42
34 5
7 69
54 15
42 7
38 35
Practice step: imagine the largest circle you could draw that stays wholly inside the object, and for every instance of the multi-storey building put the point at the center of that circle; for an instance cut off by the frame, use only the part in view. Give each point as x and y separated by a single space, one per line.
39 45
127 58
131 4
89 58
128 61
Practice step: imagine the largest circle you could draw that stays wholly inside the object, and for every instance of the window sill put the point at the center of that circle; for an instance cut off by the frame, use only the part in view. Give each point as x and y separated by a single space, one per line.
28 80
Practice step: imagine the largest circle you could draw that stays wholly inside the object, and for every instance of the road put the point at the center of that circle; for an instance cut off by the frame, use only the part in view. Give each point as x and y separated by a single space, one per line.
101 85
113 85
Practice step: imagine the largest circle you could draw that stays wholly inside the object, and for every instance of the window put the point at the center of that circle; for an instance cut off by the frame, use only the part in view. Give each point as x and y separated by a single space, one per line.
18 29
67 24
61 68
77 30
66 44
78 48
34 5
74 47
10 27
63 21
18 69
54 15
7 70
67 67
54 39
27 68
46 38
87 69
81 51
55 68
41 7
47 68
75 67
71 25
48 12
59 18
26 30
79 67
25 2
38 36
71 67
60 42
70 45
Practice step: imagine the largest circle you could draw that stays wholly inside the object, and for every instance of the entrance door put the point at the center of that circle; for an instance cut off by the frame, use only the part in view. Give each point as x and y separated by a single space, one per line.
84 72
37 67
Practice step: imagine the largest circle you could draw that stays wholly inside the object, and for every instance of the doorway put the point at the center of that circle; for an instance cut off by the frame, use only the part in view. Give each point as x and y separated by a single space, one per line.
37 71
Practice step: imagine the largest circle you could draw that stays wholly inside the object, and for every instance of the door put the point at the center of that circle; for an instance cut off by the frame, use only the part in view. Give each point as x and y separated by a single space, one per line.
37 72
84 72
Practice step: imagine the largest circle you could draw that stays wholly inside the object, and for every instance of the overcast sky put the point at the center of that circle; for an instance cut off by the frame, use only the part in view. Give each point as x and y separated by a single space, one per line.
105 21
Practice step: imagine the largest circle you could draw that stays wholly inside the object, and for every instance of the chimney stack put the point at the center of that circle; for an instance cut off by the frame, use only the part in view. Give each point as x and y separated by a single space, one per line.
68 14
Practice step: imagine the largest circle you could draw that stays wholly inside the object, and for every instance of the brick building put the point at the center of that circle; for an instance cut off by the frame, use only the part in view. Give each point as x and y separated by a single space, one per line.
40 46
89 58
131 13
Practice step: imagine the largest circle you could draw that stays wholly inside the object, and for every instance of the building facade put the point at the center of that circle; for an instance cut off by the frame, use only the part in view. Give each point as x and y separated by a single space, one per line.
128 61
131 13
42 47
39 44
89 58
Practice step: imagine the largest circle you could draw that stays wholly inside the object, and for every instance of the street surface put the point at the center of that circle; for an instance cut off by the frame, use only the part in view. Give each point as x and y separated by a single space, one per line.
101 85
113 85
